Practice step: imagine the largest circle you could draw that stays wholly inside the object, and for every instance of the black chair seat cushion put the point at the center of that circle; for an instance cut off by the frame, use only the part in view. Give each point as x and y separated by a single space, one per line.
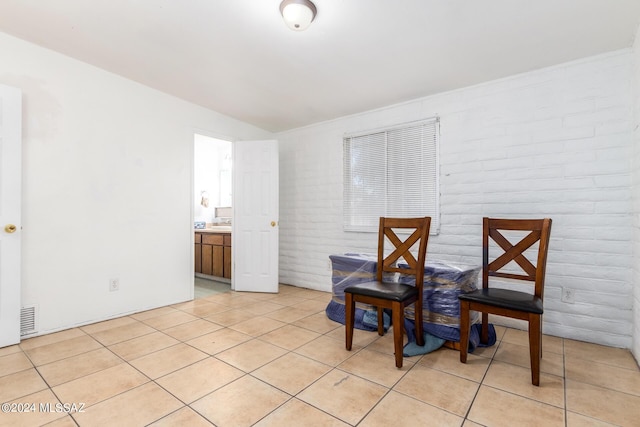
505 298
390 291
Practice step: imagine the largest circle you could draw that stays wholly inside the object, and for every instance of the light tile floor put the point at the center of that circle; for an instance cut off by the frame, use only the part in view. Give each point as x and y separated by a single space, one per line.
205 287
240 359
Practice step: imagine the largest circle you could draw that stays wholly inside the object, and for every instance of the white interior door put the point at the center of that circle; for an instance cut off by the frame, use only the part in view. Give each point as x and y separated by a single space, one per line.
255 216
10 193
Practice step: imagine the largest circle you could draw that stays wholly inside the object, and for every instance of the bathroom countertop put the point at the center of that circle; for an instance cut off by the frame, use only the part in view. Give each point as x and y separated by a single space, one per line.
215 229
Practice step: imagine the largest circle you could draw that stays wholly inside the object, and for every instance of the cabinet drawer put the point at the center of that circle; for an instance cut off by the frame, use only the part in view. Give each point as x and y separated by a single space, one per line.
227 239
198 238
212 239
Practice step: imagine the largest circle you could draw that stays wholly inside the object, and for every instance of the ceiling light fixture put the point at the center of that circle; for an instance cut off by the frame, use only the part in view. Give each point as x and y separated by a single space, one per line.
298 14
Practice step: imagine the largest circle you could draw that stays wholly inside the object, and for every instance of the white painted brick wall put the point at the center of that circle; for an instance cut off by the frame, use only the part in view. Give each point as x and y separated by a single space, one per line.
557 142
636 199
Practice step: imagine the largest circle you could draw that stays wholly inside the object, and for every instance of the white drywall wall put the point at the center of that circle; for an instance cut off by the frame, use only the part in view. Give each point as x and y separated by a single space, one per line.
107 176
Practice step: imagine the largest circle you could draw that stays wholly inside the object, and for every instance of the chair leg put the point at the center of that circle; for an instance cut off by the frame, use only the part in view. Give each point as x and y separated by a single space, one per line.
398 331
464 330
349 320
419 326
484 335
535 323
380 321
540 337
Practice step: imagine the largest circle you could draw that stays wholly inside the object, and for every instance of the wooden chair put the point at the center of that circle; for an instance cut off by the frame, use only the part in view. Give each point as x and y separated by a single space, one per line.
393 295
506 302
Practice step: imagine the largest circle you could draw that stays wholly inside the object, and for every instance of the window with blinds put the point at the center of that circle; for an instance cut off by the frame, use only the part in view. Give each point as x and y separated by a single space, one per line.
392 172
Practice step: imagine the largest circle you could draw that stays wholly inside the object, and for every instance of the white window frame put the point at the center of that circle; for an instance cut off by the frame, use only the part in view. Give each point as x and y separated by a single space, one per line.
376 182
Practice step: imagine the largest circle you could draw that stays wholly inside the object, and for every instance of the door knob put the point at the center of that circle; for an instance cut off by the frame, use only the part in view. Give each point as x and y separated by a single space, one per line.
10 228
273 223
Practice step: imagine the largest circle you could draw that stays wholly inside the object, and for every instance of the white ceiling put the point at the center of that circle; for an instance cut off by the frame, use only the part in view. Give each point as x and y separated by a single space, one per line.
237 57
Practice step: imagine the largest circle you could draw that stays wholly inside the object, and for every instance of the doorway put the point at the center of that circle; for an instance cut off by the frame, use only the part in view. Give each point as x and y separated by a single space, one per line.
212 214
10 204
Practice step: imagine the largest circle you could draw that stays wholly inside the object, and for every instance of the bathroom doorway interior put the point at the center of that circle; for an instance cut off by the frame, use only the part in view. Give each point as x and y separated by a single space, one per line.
212 186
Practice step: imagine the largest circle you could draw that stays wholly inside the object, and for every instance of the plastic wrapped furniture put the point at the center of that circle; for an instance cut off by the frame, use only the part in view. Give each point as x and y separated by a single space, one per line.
443 282
349 269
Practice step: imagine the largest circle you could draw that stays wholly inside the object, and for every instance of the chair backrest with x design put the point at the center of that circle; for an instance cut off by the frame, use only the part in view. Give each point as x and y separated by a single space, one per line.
494 230
392 263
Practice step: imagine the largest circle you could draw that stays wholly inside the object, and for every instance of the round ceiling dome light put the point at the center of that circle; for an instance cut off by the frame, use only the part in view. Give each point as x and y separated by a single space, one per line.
298 14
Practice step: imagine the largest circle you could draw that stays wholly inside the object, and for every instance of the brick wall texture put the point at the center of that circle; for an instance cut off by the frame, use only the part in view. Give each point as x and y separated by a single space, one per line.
636 199
558 142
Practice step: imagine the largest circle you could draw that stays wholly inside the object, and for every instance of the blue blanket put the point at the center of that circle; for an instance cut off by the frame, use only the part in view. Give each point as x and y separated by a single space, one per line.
364 319
436 335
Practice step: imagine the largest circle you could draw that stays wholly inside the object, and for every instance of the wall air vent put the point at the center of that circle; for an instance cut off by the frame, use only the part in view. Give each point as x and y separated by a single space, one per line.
27 320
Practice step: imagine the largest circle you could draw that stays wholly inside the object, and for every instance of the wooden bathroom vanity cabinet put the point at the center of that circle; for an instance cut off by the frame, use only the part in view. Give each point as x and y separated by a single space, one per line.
213 252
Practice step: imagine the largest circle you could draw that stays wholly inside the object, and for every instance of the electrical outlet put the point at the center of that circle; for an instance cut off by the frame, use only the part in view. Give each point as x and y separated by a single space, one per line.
114 285
568 295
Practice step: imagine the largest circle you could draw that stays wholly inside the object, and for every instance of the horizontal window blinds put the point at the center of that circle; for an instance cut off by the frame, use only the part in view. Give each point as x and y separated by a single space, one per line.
391 172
